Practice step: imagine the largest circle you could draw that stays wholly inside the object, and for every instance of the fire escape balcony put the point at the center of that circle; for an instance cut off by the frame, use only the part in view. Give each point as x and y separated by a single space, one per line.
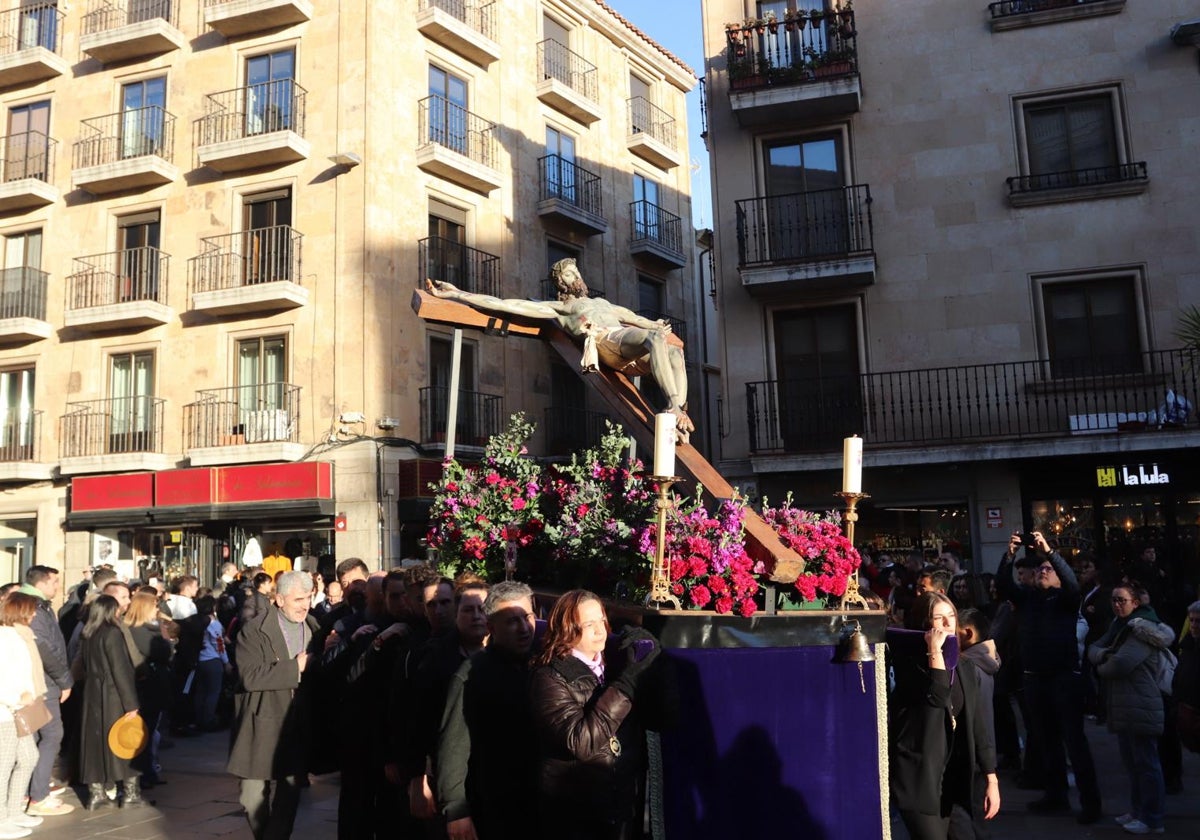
817 240
468 269
247 423
27 172
119 290
126 151
29 44
120 434
20 448
256 270
457 145
23 305
986 403
652 134
1016 14
568 192
567 82
479 416
244 17
467 27
122 30
802 67
657 235
252 127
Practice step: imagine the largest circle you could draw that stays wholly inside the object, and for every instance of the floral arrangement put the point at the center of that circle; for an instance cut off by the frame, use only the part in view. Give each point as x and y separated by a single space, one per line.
707 559
829 556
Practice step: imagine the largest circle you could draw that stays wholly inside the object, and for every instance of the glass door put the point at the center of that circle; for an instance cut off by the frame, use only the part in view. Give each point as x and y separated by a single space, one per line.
816 364
131 389
806 204
448 111
269 82
267 249
560 167
16 414
143 108
28 143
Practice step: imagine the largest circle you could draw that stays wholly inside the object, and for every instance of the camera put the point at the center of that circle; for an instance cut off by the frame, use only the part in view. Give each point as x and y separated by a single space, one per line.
1027 540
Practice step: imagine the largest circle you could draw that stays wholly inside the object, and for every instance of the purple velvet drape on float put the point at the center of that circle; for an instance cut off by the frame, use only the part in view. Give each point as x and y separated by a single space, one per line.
772 742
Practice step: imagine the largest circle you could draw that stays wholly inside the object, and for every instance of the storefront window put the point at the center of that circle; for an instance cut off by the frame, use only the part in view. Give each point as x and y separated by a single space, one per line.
16 548
1069 524
928 530
1131 524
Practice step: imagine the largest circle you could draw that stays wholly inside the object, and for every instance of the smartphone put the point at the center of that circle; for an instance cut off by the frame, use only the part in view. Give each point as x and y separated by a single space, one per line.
1027 540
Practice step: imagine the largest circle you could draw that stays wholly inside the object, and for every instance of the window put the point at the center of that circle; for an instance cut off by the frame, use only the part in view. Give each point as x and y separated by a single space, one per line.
143 10
1092 326
268 252
263 409
560 166
131 393
816 365
28 152
445 255
138 241
448 108
647 214
143 112
437 410
270 80
639 104
38 25
650 297
806 209
16 414
23 285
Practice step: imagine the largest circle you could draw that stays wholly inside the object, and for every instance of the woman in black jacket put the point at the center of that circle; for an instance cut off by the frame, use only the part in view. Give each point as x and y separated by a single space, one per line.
937 734
590 709
153 675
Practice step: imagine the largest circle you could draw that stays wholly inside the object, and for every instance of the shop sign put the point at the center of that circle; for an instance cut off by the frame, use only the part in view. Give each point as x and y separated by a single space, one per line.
112 492
1125 476
275 483
174 488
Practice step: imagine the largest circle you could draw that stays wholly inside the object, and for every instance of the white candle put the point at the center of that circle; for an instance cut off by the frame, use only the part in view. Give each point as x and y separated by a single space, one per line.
664 445
852 465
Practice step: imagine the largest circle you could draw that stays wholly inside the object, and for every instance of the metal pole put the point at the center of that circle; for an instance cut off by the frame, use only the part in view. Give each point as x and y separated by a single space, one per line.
452 402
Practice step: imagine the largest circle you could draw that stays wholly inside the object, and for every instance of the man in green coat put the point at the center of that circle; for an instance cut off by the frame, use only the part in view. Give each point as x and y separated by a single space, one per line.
272 712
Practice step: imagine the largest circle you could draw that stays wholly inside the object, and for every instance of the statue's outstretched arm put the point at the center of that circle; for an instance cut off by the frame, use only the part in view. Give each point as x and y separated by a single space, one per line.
631 318
488 303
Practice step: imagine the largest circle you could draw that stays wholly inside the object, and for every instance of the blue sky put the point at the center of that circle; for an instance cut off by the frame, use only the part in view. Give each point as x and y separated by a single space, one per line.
676 25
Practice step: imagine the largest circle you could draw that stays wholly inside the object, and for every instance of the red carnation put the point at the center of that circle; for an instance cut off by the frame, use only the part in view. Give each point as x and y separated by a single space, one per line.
700 596
724 604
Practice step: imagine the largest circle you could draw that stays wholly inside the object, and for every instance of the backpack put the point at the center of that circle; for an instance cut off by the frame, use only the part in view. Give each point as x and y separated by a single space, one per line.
1164 670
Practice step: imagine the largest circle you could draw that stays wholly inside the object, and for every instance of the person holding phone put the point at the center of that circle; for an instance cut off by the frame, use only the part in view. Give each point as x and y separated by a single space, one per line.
937 732
593 698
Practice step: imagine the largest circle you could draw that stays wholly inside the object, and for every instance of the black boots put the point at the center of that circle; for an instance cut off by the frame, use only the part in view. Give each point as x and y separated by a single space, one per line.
133 793
97 798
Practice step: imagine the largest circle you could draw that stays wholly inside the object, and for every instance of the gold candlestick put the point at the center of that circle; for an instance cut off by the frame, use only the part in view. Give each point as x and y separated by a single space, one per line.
852 595
660 576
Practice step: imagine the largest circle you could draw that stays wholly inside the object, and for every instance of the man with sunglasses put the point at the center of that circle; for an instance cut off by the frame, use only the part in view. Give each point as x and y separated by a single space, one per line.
1048 616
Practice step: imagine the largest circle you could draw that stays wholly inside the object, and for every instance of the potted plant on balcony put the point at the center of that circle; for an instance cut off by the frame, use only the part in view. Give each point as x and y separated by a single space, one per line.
772 22
833 62
748 71
733 33
794 19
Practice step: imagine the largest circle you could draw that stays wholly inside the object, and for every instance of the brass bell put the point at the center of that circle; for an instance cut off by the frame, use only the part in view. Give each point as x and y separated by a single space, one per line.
853 646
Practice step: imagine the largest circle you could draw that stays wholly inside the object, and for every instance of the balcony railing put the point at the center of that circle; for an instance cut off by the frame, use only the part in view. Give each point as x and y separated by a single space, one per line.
572 429
1005 401
564 180
443 123
574 71
134 274
805 226
23 293
248 257
267 413
137 132
480 16
479 416
647 118
794 51
29 154
654 224
19 435
104 15
111 427
31 26
467 268
678 325
249 111
1007 8
1093 177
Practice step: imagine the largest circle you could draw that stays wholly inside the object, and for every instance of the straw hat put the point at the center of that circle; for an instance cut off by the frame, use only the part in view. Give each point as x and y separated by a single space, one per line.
128 737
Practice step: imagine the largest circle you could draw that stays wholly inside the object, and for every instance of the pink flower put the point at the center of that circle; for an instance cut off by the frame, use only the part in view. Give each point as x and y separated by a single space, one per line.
746 608
724 605
700 596
518 504
492 478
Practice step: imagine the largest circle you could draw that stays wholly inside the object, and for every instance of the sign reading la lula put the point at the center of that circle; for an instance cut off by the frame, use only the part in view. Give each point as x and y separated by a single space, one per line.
1126 476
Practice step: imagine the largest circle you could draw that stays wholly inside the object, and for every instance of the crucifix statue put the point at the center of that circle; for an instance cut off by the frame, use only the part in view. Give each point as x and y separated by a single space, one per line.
612 335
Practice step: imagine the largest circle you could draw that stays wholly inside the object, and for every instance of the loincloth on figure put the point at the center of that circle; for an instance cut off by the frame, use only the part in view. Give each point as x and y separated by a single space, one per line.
602 346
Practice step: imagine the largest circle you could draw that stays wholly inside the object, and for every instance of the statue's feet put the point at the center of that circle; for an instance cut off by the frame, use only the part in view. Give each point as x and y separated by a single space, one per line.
683 424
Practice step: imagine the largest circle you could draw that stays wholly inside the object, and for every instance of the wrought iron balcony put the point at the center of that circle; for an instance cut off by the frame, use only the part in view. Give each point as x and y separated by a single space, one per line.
126 150
466 26
657 233
570 192
23 293
1078 184
480 416
995 402
27 171
246 414
567 82
134 274
822 224
29 44
652 134
571 429
678 325
20 436
117 426
241 17
467 268
253 126
457 145
1014 14
248 258
119 30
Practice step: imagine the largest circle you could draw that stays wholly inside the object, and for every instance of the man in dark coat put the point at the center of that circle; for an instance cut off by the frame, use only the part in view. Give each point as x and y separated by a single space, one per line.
272 718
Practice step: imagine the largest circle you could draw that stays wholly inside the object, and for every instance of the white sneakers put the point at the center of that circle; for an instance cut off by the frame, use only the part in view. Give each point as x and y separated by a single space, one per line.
1139 827
9 829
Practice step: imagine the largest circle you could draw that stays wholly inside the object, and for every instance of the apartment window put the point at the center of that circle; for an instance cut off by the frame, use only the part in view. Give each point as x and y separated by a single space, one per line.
806 209
816 365
16 414
131 394
646 209
650 295
38 26
22 284
262 370
639 99
552 30
270 79
143 117
138 243
445 257
28 145
448 110
560 165
1092 326
268 250
438 408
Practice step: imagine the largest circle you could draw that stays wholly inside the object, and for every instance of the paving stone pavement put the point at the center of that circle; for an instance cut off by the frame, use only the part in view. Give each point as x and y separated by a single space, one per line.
200 801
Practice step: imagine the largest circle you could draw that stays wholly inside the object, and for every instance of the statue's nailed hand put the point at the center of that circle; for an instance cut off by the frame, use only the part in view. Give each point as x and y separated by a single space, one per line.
440 288
663 327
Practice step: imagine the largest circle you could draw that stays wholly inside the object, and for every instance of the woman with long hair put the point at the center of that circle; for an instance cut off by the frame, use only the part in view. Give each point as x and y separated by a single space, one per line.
21 683
591 704
153 677
109 694
937 731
